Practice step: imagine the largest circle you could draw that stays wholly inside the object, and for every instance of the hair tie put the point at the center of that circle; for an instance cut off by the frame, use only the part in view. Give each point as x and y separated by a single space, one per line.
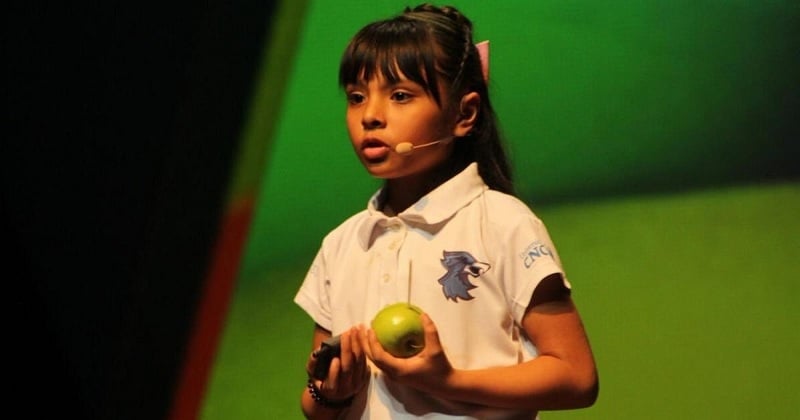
483 54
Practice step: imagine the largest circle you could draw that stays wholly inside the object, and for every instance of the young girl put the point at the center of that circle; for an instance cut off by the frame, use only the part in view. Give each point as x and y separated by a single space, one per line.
502 336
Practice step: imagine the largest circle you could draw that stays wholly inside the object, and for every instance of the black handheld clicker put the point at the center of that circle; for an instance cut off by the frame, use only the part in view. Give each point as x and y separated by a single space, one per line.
329 349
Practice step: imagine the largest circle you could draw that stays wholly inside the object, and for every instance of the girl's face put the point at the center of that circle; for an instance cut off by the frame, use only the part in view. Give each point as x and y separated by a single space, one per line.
381 115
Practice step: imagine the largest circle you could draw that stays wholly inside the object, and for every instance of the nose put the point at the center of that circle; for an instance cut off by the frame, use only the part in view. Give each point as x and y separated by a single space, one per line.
373 116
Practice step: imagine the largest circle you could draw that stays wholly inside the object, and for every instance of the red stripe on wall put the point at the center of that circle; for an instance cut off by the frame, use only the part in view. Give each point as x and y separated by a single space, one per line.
212 311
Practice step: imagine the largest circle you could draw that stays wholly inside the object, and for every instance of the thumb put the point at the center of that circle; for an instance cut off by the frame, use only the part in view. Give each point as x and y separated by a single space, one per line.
311 363
431 333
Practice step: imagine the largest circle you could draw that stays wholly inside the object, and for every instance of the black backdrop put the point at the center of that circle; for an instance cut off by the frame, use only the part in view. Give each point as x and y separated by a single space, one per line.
121 122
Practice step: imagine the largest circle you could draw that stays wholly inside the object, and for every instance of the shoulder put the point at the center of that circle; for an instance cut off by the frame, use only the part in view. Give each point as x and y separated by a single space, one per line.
506 209
508 220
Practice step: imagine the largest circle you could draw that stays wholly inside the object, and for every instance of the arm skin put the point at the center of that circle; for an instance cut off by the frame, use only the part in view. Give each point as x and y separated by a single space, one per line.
563 376
347 375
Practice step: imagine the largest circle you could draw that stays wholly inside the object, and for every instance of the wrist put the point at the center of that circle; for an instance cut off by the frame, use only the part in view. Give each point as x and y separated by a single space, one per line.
446 384
319 399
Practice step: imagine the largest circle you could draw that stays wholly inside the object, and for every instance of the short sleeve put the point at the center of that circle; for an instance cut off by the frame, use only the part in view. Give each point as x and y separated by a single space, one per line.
528 258
314 296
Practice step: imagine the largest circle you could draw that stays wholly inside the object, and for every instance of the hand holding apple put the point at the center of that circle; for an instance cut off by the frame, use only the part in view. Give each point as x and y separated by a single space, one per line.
421 364
399 329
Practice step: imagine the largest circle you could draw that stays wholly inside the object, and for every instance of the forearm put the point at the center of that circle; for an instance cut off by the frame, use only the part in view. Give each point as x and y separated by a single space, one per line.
562 376
545 383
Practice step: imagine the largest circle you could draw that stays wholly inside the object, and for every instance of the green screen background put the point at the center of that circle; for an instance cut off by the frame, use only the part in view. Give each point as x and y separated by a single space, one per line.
655 139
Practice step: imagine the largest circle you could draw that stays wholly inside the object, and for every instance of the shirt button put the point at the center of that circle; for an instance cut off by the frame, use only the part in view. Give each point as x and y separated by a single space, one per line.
385 278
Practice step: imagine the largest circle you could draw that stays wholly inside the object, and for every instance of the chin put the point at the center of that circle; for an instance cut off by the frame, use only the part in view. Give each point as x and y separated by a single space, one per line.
382 169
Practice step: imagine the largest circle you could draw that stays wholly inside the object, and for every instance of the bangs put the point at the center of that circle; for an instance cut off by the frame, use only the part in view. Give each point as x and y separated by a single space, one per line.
393 49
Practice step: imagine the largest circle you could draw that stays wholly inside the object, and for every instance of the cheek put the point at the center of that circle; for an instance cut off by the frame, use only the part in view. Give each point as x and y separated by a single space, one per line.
434 120
353 121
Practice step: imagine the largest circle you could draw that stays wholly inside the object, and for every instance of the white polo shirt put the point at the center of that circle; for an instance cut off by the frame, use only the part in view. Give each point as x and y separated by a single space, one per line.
471 258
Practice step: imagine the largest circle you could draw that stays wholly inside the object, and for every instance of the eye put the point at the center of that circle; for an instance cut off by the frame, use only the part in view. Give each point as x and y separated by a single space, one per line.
401 96
355 98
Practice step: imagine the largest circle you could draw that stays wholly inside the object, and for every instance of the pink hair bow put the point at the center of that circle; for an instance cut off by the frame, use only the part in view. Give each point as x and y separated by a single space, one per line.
483 53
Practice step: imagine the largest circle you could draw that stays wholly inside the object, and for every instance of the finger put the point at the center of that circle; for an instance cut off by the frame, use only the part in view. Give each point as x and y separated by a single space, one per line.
331 382
378 354
363 336
363 355
360 345
431 333
311 363
359 364
355 343
346 346
356 355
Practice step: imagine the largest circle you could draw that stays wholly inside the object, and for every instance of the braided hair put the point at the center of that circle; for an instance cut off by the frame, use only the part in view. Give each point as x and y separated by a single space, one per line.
429 44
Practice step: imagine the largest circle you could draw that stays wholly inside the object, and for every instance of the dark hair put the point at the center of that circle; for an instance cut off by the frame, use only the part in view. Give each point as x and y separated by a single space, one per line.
425 44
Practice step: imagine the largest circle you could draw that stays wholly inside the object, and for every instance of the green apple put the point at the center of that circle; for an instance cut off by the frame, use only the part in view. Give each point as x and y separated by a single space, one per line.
398 328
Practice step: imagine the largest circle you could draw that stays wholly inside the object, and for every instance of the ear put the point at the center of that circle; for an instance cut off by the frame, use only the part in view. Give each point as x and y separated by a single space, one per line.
468 114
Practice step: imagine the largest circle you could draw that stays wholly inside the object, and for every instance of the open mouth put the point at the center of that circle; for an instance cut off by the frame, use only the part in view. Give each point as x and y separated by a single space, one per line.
375 150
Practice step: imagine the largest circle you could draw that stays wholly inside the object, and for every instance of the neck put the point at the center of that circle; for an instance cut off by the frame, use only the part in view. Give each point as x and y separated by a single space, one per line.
402 193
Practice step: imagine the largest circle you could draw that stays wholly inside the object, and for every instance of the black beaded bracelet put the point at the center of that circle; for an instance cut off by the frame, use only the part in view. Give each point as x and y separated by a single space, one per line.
321 400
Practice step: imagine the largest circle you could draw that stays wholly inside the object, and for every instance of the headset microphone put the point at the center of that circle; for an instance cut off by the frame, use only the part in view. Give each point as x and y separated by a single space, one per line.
406 148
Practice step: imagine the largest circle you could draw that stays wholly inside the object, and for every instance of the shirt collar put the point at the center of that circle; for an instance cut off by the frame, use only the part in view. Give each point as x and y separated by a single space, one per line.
432 209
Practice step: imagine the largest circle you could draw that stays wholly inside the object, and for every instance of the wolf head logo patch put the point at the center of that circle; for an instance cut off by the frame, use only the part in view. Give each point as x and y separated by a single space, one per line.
460 266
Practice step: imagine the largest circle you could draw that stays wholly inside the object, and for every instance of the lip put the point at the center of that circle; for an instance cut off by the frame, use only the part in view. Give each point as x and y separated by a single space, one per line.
374 150
373 142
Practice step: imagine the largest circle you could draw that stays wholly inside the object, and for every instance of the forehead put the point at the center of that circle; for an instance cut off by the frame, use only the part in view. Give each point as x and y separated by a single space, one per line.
391 68
379 75
389 58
